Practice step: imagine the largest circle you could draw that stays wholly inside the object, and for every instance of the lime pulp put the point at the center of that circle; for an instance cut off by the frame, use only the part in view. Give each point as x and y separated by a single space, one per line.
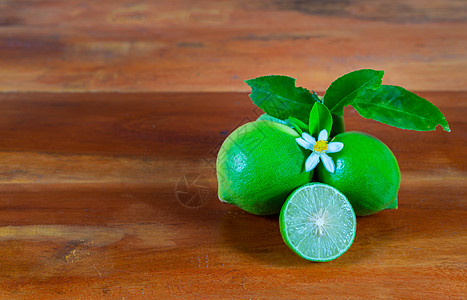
317 222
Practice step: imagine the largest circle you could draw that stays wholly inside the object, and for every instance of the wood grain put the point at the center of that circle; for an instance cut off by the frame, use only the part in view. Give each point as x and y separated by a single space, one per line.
121 45
89 206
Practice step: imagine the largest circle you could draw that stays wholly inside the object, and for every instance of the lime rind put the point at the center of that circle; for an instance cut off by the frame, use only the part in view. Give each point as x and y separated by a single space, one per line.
317 222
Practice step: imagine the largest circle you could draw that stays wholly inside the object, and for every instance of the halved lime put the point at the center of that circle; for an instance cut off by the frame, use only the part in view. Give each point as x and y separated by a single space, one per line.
317 222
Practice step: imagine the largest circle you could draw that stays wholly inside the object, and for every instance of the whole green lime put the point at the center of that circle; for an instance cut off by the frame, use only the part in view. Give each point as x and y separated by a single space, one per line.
366 172
259 165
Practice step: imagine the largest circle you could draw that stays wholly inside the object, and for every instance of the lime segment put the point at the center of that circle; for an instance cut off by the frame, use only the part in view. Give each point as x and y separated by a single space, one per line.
317 222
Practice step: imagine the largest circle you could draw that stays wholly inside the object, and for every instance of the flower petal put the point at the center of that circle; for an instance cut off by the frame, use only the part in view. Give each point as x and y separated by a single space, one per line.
323 135
309 138
328 163
335 147
304 143
311 162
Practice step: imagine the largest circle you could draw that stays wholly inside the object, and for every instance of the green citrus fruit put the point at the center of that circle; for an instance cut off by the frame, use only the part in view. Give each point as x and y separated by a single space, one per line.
317 222
259 165
366 172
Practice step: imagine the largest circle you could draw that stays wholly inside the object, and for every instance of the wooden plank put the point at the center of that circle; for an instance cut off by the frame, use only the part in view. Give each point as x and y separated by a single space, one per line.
214 45
89 206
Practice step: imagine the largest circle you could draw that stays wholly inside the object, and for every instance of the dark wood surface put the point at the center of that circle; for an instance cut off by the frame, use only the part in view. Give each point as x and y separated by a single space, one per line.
92 205
95 186
185 45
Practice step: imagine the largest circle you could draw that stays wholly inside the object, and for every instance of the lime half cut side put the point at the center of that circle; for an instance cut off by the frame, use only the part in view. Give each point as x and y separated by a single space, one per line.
317 222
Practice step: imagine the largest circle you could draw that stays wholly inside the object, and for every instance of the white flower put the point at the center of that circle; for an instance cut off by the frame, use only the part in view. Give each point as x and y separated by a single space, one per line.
319 148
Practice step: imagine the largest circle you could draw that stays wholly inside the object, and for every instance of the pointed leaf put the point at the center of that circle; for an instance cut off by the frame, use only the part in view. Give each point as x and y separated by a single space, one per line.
395 106
279 97
298 125
320 118
315 96
345 88
270 118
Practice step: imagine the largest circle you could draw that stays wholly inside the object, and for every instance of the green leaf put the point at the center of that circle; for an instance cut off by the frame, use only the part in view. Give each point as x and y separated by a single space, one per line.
395 106
270 118
279 97
298 125
345 88
315 97
320 118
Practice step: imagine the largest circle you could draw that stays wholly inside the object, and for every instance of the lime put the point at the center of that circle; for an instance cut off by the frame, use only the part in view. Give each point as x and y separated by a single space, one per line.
259 165
317 222
366 172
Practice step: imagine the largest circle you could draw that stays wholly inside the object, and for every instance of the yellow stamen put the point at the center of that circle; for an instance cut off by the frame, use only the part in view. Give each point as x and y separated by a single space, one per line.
320 147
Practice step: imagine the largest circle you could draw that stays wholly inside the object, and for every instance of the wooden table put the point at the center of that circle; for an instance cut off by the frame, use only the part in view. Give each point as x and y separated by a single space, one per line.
212 45
112 113
93 203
